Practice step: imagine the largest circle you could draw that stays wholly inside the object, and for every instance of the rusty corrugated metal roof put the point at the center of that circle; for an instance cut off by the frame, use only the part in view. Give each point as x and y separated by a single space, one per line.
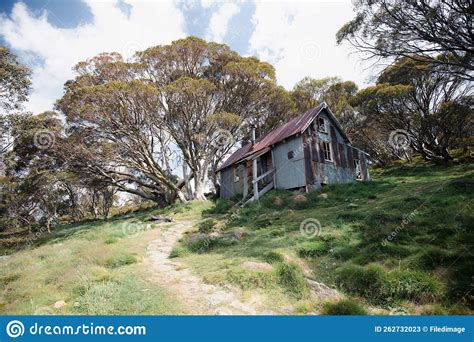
295 125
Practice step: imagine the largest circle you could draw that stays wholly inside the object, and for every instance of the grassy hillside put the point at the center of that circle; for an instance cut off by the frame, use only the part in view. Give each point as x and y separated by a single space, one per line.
403 242
95 268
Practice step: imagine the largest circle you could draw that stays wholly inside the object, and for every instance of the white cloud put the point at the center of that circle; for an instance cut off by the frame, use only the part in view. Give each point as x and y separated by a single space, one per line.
59 49
299 40
219 22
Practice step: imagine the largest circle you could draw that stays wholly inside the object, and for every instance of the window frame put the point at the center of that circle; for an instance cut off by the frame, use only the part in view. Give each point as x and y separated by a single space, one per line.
329 150
322 128
235 174
357 166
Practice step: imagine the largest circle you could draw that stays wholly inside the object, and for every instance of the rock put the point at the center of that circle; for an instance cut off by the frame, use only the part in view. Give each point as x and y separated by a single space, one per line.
220 297
258 266
288 310
313 313
300 198
398 312
352 205
59 304
323 195
322 291
222 312
77 304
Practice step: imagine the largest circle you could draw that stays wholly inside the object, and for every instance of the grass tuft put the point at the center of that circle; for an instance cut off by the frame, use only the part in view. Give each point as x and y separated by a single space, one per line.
292 279
343 307
122 260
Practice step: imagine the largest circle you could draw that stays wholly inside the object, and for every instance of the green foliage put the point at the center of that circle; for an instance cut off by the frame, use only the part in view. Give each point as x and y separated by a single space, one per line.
200 243
291 278
272 257
343 307
432 257
178 251
313 249
120 297
416 286
7 279
111 240
121 260
221 206
206 226
14 82
249 279
369 282
427 237
379 287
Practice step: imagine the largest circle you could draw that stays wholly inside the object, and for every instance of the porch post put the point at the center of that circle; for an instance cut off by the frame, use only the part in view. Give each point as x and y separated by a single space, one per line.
246 182
274 167
255 175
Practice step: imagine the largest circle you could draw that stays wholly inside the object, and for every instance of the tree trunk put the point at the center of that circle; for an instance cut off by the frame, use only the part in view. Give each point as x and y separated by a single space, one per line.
200 180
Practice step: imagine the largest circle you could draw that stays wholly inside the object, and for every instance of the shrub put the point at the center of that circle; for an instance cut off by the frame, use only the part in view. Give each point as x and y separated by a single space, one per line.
292 279
343 307
100 274
432 257
99 298
200 243
178 251
249 279
379 287
313 250
206 226
414 285
122 260
368 282
272 257
222 206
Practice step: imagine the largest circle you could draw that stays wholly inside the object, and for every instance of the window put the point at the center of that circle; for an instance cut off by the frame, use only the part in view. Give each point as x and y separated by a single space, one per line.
236 174
291 154
358 173
322 125
327 151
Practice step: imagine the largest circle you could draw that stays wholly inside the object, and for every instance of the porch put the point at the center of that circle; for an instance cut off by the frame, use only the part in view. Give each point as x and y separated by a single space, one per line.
258 175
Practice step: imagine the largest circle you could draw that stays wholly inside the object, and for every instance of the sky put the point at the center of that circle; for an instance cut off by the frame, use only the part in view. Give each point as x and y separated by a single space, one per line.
297 38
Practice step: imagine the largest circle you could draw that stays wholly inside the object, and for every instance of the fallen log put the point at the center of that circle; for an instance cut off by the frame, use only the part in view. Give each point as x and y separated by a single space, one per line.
154 218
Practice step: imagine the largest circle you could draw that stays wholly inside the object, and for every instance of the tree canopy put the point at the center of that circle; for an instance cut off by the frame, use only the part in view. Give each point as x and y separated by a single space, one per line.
440 30
431 108
180 100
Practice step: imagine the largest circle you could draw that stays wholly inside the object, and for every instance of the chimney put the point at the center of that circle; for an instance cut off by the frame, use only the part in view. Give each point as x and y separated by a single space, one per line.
253 133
